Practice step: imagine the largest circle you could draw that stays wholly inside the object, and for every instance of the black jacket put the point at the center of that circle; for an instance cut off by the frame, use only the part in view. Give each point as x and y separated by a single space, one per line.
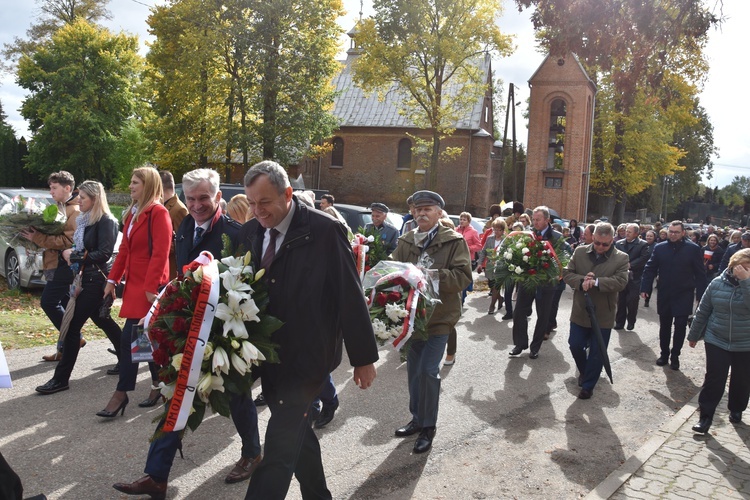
315 290
99 241
638 253
185 249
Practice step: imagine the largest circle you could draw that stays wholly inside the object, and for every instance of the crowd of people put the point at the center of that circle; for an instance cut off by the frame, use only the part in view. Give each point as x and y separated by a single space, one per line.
609 268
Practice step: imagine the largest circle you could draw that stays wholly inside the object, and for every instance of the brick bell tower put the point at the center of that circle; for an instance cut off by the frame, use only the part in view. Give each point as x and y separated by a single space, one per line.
561 116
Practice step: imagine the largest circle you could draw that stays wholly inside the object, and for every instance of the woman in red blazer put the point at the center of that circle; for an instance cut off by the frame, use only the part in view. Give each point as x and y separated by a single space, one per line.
143 260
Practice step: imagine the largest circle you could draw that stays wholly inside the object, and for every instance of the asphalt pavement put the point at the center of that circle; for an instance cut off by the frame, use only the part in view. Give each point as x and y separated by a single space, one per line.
508 427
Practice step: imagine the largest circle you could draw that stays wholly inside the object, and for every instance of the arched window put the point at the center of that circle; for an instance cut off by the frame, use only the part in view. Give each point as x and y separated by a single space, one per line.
404 155
555 152
337 155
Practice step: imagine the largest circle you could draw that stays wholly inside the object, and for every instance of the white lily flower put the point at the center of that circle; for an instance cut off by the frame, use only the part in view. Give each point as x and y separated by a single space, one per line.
248 258
250 353
167 390
208 351
207 384
239 364
233 282
220 362
235 312
233 262
235 345
177 361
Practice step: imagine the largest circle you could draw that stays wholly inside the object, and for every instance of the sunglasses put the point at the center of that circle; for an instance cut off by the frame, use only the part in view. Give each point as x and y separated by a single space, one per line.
602 243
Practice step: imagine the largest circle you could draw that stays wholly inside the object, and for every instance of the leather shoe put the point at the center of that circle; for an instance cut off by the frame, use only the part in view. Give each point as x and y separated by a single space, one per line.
620 326
703 425
326 415
53 357
516 351
115 370
533 354
243 469
585 394
144 486
424 441
631 327
662 361
675 364
52 387
408 429
507 316
735 417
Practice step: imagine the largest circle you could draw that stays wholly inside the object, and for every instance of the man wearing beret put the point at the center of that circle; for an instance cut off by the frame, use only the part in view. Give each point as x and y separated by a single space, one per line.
388 233
432 246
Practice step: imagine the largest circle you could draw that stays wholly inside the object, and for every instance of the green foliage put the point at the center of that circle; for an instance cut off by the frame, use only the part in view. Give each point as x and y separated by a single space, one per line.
81 95
418 49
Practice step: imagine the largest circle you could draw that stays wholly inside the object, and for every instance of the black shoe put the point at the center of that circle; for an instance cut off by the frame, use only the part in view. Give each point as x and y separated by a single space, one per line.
111 414
153 397
675 364
620 326
533 354
703 425
112 351
662 361
516 351
735 417
408 429
260 400
507 316
424 441
630 327
52 387
115 370
326 415
585 394
645 303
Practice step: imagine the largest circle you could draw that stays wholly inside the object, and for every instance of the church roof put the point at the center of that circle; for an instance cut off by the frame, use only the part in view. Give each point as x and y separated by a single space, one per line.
354 108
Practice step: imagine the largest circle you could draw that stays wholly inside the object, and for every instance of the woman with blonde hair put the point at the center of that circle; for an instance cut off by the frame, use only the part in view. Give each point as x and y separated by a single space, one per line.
93 243
238 208
722 321
143 260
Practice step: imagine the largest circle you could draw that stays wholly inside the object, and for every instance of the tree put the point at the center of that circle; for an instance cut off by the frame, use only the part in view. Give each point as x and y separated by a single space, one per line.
636 45
54 15
420 49
81 95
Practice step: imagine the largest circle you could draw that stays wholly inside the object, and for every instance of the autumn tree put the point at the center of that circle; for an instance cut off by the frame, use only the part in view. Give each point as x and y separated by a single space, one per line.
81 95
632 48
421 49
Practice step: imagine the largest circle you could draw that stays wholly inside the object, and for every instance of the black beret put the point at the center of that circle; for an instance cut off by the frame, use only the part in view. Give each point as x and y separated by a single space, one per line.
380 206
424 198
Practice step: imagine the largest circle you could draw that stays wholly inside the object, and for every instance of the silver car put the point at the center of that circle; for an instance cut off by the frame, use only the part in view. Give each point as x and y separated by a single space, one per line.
20 268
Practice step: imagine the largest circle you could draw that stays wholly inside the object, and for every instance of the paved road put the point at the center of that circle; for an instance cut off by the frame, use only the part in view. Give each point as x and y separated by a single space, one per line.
508 428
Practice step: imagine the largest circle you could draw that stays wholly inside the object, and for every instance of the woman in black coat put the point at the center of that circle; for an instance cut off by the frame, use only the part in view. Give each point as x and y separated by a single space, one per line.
712 255
93 243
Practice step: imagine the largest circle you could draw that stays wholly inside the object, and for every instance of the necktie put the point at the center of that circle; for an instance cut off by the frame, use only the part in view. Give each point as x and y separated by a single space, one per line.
265 262
198 234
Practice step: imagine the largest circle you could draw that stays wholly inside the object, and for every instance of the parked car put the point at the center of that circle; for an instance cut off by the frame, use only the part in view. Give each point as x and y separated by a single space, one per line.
357 216
476 223
22 269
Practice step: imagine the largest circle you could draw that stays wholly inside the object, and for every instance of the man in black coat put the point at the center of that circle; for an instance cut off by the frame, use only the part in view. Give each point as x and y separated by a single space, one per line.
315 291
544 296
732 249
201 230
627 300
682 280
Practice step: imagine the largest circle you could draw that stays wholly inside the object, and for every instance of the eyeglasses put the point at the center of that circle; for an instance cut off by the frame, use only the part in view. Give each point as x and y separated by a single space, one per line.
602 244
675 232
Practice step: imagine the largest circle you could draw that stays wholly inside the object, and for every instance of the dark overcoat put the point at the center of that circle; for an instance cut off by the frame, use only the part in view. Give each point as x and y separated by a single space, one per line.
187 250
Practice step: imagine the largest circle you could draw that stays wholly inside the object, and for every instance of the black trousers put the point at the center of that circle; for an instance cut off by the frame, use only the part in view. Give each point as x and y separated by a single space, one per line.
718 363
87 306
627 304
290 447
665 335
544 297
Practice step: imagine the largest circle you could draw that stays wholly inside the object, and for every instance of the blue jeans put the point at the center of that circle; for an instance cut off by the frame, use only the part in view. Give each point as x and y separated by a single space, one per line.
245 417
328 395
589 367
423 369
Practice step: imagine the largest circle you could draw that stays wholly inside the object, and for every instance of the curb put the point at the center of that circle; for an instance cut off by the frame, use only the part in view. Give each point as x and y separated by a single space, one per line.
624 472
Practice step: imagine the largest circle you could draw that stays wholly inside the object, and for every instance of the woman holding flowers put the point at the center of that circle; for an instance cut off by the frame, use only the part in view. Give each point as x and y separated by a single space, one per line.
487 262
93 242
143 260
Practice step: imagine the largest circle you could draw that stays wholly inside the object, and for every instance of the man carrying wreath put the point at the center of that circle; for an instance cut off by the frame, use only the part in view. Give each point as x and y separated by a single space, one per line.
432 246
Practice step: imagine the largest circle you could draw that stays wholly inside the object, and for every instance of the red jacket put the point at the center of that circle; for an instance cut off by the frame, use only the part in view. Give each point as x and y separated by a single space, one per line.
472 238
143 272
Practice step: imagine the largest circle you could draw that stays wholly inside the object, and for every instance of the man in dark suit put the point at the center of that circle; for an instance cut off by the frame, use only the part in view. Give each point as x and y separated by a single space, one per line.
733 248
315 291
682 279
201 230
544 296
627 300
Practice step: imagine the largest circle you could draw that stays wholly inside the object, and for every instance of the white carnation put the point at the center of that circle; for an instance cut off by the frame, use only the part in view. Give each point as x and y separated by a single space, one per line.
518 270
525 258
395 312
525 250
380 329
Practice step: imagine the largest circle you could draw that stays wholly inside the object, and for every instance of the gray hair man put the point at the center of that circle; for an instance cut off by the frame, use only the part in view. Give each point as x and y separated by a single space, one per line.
638 254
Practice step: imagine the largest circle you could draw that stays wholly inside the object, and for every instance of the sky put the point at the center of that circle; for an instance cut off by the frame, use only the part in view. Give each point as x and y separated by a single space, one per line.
722 96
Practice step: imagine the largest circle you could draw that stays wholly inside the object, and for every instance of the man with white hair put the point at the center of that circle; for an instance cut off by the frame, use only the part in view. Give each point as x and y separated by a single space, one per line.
638 254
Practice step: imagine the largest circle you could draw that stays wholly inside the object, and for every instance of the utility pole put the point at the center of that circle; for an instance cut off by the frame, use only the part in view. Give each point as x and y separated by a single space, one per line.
511 110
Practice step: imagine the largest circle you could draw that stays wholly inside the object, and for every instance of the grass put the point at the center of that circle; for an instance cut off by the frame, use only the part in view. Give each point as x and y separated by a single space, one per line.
117 211
23 323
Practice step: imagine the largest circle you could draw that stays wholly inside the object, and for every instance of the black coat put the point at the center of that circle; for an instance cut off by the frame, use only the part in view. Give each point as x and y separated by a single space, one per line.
99 241
638 253
315 290
682 277
186 251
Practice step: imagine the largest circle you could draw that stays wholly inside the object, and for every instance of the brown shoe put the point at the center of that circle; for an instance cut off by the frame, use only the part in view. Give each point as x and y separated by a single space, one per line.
53 357
243 469
83 342
144 486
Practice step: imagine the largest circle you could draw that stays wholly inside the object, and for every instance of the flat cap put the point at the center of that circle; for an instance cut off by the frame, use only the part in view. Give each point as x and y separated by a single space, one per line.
425 198
382 207
746 235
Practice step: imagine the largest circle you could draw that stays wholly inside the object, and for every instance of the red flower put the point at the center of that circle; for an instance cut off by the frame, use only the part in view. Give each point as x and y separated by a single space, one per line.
532 271
539 253
381 299
394 296
194 294
545 265
161 357
180 325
